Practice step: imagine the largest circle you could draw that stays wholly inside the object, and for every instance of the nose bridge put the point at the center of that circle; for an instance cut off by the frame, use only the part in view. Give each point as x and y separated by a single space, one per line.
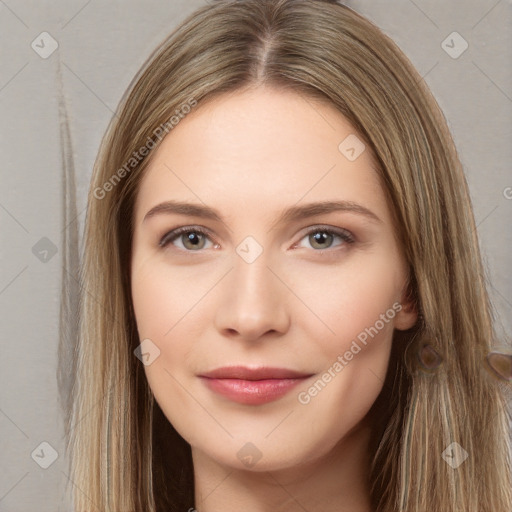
254 282
253 301
251 272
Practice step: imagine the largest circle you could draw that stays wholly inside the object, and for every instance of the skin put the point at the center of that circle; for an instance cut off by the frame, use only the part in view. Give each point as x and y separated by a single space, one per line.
298 305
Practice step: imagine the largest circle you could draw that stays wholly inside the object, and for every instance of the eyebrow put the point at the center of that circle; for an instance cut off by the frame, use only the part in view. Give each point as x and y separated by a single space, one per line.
290 214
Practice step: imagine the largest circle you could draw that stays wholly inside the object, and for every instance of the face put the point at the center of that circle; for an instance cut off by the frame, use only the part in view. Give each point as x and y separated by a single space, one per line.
272 249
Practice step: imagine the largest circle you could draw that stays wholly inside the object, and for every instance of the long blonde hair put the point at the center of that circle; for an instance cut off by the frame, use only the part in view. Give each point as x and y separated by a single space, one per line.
327 51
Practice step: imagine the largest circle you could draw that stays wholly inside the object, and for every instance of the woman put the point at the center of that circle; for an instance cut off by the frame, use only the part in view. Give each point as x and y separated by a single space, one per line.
283 302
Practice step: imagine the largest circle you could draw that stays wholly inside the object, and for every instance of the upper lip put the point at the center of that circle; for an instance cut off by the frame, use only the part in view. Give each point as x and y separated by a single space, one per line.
259 373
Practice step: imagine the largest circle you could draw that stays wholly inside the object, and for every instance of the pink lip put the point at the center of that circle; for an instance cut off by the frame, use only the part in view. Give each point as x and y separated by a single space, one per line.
252 386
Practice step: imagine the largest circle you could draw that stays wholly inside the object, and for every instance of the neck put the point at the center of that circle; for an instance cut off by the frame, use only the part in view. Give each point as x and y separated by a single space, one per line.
337 482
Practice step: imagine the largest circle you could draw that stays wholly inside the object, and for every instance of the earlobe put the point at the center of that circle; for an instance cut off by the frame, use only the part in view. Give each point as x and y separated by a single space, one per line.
406 318
408 314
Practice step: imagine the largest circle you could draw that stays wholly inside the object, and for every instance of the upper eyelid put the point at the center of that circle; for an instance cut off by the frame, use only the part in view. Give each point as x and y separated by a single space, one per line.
173 234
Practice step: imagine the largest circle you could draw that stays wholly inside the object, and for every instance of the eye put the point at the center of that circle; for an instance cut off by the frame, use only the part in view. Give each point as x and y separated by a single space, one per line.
194 238
322 237
191 238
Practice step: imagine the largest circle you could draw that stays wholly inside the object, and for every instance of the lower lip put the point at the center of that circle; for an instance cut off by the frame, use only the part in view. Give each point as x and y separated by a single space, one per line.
253 392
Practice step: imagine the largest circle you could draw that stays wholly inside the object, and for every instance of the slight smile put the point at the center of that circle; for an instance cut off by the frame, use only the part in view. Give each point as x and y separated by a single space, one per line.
252 386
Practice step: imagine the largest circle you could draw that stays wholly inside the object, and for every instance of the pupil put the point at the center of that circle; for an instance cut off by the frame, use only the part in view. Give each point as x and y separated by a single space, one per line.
191 237
321 237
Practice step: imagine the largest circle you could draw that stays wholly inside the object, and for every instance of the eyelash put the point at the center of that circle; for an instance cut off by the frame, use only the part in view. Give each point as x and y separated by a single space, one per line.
171 236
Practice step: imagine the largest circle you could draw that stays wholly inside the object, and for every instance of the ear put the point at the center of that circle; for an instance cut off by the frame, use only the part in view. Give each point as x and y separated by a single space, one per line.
408 314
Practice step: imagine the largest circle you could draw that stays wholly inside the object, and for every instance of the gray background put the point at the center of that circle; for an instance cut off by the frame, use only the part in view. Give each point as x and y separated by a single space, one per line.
101 46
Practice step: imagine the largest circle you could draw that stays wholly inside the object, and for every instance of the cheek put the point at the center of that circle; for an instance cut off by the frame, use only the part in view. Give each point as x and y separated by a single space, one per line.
150 303
349 300
358 303
171 309
164 296
163 302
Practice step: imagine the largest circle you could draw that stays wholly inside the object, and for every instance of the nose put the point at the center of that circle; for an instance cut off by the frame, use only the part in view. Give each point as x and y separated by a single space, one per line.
253 302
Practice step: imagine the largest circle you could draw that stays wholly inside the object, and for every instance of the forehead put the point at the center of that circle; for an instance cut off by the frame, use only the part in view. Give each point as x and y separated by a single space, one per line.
253 149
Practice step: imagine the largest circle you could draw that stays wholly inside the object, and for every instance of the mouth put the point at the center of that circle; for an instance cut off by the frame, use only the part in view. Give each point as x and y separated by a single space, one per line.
252 386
